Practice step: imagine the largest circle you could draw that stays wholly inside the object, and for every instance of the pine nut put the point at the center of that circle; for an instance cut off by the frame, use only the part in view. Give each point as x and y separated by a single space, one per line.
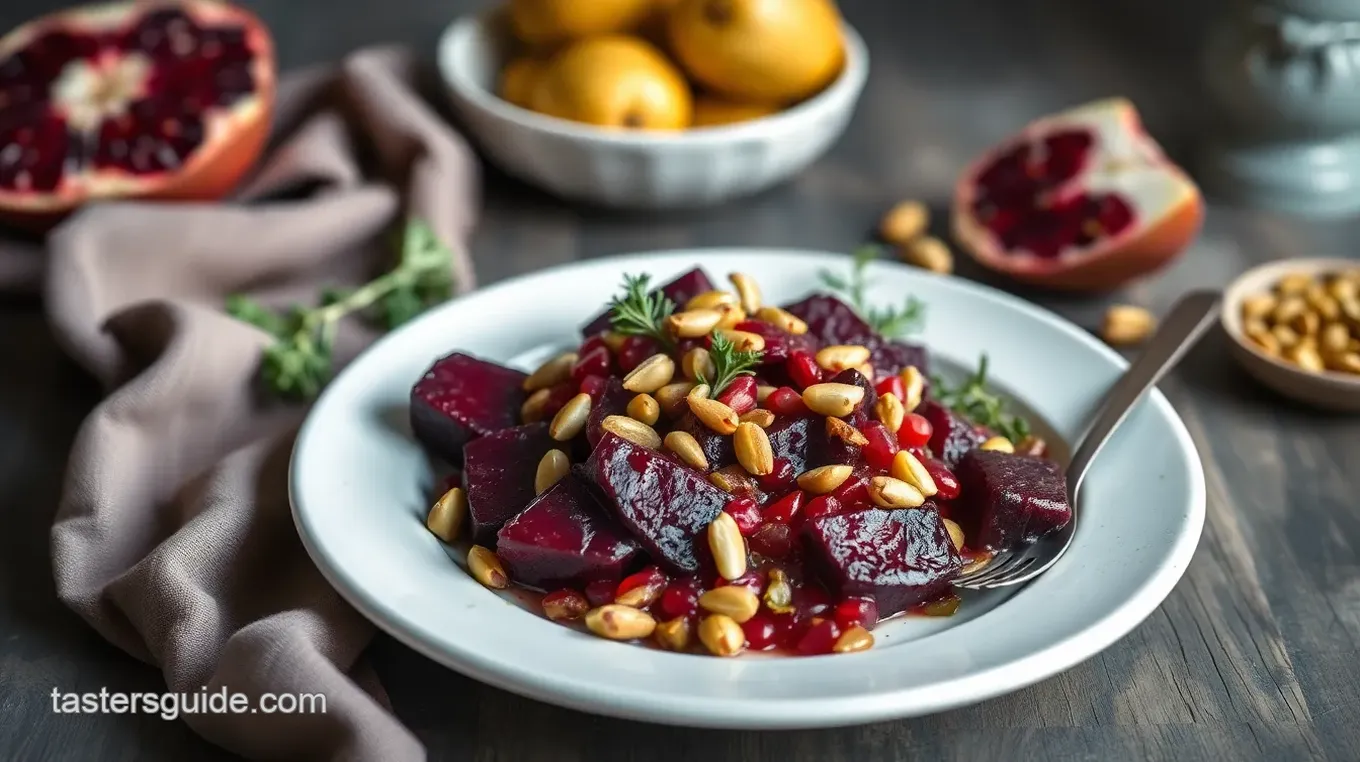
551 469
1258 306
618 622
614 340
684 444
904 223
760 417
1342 290
644 408
674 635
737 602
930 254
763 392
748 291
1335 339
890 412
691 324
783 319
854 639
448 514
1285 336
734 481
1263 338
1293 283
633 430
571 419
744 341
486 568
1306 356
998 444
651 374
728 546
913 386
671 397
753 449
839 357
697 363
887 492
955 533
565 605
911 470
1307 323
1349 363
532 410
825 479
710 300
1126 325
866 370
1289 308
832 399
551 373
698 392
843 431
1322 302
714 414
779 593
721 635
730 317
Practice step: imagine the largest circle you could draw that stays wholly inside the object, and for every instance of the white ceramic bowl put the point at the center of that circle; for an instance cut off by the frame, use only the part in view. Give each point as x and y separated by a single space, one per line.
645 170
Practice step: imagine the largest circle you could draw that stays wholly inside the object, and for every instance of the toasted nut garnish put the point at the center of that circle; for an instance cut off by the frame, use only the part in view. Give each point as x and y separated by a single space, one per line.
730 316
551 469
904 223
448 514
1288 308
763 391
783 319
644 408
532 410
570 419
728 546
843 431
866 370
564 605
614 340
1348 363
1322 302
1285 336
998 444
839 357
1033 446
1305 356
744 341
760 417
698 392
697 363
650 374
825 479
890 412
1126 325
753 449
779 593
642 596
836 400
721 635
1306 323
551 373
929 253
735 601
691 324
887 492
747 290
734 481
854 639
1263 338
714 414
684 444
618 622
1258 306
914 386
633 430
710 300
671 397
911 470
955 533
674 635
1293 283
1335 339
1343 289
486 568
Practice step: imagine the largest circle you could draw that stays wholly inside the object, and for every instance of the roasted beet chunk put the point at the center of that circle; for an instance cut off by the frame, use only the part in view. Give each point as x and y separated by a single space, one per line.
614 401
1009 499
778 342
498 472
717 448
903 557
680 290
461 398
892 357
664 504
790 439
565 538
832 321
952 435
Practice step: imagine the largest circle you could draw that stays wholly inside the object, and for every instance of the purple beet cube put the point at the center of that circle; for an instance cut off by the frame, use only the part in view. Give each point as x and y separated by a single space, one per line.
892 357
778 342
498 474
613 401
680 290
666 506
1007 500
461 398
952 435
719 449
902 557
791 439
832 321
565 538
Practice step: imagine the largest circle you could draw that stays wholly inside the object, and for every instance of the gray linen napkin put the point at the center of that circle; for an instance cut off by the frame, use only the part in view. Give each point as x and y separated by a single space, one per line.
173 538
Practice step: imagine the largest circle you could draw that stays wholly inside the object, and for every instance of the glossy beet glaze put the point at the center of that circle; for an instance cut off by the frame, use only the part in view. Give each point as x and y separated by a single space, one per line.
498 475
461 398
1007 499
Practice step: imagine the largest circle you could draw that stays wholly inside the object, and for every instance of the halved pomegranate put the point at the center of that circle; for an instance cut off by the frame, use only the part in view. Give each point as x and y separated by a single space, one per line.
1082 200
161 100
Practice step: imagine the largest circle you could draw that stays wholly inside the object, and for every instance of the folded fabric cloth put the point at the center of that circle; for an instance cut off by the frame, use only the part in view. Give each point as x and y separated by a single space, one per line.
174 537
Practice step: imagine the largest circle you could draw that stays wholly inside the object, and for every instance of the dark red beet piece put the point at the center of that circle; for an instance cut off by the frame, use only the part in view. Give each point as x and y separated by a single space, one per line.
498 474
892 357
680 290
832 321
864 412
565 538
717 448
789 439
952 435
664 504
613 401
902 558
1009 499
778 342
461 398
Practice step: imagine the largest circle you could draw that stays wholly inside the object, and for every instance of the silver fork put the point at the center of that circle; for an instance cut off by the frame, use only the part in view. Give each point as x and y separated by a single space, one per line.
1188 321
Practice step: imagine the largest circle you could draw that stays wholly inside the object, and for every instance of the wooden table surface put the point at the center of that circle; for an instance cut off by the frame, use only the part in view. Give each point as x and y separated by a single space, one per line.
1253 656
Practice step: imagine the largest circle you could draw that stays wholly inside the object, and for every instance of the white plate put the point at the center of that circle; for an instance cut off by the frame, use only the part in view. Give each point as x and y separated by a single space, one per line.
360 483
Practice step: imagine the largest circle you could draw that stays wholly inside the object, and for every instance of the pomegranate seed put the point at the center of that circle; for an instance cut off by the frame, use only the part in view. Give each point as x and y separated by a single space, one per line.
824 505
761 632
591 344
892 385
859 611
635 349
803 369
746 513
787 509
596 362
772 540
854 495
787 631
642 588
810 601
594 386
781 479
915 431
740 395
600 592
751 580
786 401
681 598
819 639
945 481
882 445
558 397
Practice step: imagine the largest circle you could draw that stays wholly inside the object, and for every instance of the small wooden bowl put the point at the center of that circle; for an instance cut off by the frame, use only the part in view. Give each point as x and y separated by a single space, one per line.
1328 390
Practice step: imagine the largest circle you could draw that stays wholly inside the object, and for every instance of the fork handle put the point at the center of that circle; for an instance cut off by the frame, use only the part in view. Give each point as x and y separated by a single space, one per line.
1186 323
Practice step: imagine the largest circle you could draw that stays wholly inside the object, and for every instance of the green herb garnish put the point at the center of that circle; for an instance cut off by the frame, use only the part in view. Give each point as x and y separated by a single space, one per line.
972 400
639 312
892 322
728 363
300 360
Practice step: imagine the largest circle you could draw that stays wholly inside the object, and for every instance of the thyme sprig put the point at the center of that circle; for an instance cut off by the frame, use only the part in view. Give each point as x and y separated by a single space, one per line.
728 363
639 312
972 400
891 322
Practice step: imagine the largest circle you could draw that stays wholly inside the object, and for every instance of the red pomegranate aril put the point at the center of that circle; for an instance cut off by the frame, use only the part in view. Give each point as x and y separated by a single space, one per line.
773 540
787 509
780 480
786 401
751 580
915 431
761 632
650 581
892 385
740 395
853 495
822 505
803 369
596 362
746 513
810 601
788 630
681 598
594 386
882 445
859 611
635 349
591 344
820 638
600 592
558 397
945 481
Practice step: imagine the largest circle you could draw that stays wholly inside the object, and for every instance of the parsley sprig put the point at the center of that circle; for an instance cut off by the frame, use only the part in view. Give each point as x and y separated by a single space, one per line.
299 362
891 322
639 312
972 400
728 363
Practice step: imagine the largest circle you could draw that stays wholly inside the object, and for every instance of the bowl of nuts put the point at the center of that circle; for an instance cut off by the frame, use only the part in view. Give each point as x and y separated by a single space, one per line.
1295 326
